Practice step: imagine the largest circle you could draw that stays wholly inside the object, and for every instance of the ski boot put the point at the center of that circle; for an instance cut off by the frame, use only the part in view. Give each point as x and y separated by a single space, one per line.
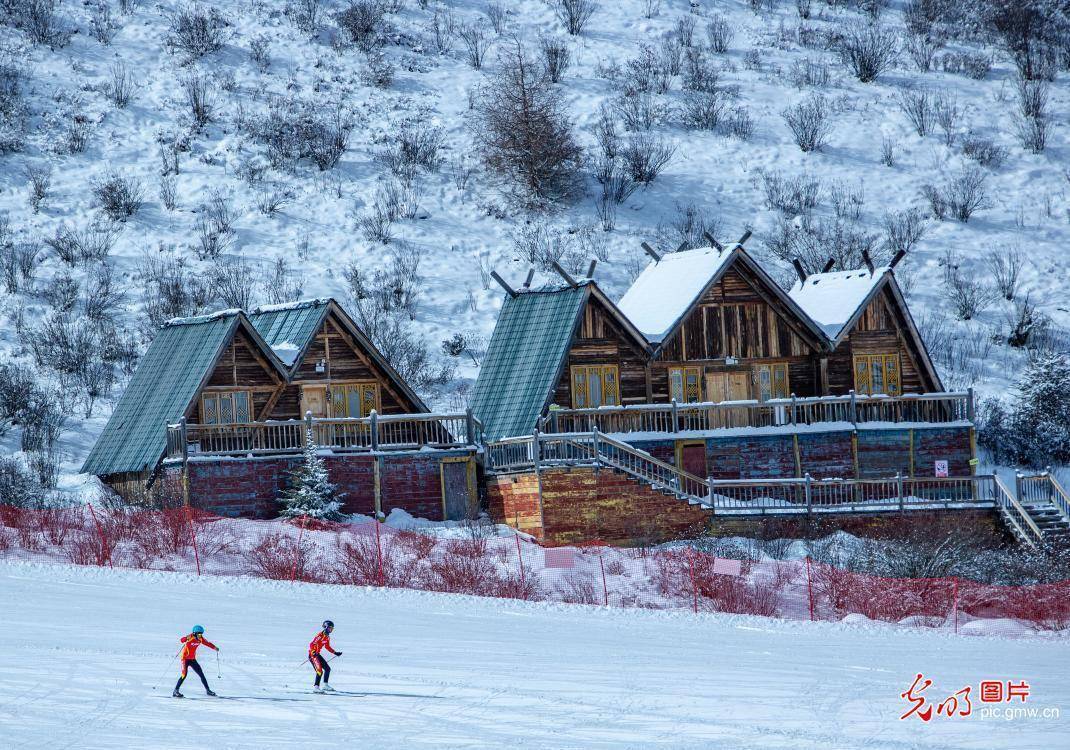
210 693
327 688
176 694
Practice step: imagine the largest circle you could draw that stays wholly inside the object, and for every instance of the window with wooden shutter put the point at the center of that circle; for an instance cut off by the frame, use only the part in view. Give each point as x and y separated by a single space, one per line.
685 384
878 373
226 407
595 385
354 399
771 381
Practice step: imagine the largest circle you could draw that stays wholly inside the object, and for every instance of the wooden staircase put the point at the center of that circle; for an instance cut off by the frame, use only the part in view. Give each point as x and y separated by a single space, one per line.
1048 505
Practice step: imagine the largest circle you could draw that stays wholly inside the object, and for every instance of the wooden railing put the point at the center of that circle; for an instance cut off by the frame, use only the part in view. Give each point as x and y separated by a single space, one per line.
1042 489
372 433
1016 517
940 408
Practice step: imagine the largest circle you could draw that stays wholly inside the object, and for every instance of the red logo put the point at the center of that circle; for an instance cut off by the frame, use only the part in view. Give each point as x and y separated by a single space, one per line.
958 704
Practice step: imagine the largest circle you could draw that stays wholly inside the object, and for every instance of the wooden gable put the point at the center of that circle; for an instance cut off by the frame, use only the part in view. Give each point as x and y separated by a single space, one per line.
242 367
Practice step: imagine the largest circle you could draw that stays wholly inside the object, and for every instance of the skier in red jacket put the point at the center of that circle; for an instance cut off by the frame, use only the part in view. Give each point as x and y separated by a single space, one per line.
190 645
319 643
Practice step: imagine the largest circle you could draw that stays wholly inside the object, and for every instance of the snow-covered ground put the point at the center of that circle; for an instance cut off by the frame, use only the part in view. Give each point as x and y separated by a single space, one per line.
84 663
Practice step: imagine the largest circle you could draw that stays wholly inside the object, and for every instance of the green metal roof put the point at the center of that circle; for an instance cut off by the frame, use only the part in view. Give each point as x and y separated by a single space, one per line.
168 377
294 324
524 359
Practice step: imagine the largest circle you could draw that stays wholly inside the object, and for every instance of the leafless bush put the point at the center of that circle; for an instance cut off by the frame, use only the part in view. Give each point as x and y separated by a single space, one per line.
556 57
809 121
719 33
1006 269
375 223
1032 122
196 91
984 151
282 284
1025 324
703 110
975 65
794 195
651 8
39 20
687 229
684 30
271 200
918 107
121 87
803 8
1032 133
91 244
639 111
617 185
1033 35
738 123
847 201
413 146
922 49
362 22
523 130
168 191
377 70
647 72
170 288
443 28
946 112
903 230
117 196
496 14
868 50
814 241
196 31
967 294
888 146
807 72
305 14
295 129
39 179
13 108
475 42
260 52
574 14
645 155
401 198
961 195
234 281
101 22
18 262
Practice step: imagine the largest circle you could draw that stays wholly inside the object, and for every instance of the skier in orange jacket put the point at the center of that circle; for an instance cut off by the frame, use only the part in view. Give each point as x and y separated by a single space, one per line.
190 645
321 642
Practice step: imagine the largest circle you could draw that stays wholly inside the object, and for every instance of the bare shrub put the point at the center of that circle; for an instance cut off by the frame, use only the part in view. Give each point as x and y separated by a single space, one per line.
168 191
1006 269
121 87
414 146
375 224
260 52
868 50
18 264
171 289
1032 133
888 146
815 240
687 229
961 195
13 110
523 130
556 57
639 111
946 112
496 14
443 28
117 196
234 282
79 246
574 14
791 195
295 129
975 65
1032 121
1025 324
198 97
684 30
645 155
984 151
362 22
903 230
39 179
271 200
719 33
922 49
807 72
1032 34
475 42
306 14
377 70
918 107
282 284
40 20
738 123
967 294
196 32
810 122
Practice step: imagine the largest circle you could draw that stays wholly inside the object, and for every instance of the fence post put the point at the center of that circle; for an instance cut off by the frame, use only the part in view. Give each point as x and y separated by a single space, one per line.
379 551
536 449
793 417
594 434
899 488
193 538
955 610
675 417
1018 485
520 558
691 569
373 419
297 552
810 588
105 551
809 493
308 427
470 426
854 409
605 589
969 404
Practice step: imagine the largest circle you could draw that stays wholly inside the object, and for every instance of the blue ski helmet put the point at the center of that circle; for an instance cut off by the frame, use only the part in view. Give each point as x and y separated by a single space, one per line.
327 624
198 629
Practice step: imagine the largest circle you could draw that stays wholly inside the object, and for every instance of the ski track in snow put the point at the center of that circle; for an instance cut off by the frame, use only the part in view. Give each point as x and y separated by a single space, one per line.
85 647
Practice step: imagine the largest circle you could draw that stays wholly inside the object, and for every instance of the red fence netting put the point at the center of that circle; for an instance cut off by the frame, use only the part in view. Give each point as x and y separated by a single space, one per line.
485 561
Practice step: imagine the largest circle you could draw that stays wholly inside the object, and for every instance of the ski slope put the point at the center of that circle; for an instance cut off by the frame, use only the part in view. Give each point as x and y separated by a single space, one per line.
83 649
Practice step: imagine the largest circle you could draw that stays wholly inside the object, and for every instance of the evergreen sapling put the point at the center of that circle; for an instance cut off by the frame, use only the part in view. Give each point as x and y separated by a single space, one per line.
310 492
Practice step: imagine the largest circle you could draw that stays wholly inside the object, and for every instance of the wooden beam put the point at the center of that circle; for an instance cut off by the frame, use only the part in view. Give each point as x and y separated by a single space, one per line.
744 238
713 243
564 274
508 289
590 269
531 275
681 247
799 269
896 258
650 251
828 265
379 374
868 261
272 400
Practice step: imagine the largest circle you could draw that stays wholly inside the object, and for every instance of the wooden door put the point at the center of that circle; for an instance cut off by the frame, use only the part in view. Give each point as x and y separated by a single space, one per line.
733 385
457 496
314 399
692 458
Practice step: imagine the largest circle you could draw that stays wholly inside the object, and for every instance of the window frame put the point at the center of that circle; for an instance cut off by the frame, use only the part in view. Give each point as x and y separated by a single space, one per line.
362 387
772 368
218 396
683 373
890 369
580 384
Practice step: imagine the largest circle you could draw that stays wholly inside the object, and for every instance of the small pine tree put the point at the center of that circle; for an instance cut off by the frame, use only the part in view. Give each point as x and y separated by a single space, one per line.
310 492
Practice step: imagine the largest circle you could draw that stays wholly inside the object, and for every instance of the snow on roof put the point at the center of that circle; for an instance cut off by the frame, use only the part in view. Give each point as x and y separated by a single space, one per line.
287 352
203 318
311 302
667 288
832 299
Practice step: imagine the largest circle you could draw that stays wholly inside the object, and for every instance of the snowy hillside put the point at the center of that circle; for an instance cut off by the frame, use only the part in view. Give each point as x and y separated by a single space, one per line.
264 141
447 671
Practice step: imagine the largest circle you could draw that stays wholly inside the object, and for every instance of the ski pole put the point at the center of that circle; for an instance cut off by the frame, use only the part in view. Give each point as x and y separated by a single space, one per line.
166 670
218 673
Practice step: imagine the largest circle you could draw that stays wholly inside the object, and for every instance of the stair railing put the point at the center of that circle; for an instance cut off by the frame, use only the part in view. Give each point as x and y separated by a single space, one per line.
1021 523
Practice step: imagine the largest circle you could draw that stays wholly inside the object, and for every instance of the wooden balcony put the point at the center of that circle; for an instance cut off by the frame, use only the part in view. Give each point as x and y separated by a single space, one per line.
852 409
281 437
